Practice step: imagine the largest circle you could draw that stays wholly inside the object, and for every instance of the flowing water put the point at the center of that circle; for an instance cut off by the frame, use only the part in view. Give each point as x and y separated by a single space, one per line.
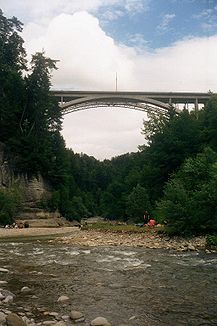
128 286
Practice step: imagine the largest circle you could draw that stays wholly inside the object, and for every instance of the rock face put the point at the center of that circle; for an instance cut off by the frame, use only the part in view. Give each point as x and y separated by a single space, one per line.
33 189
6 175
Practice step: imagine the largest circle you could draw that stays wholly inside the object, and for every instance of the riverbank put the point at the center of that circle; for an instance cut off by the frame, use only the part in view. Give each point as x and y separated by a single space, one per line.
34 232
74 236
148 239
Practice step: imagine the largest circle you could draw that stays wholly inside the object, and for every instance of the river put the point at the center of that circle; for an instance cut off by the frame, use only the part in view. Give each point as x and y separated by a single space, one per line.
128 286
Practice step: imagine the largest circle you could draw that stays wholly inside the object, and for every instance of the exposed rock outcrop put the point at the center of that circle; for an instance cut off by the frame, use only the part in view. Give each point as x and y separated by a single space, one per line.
33 189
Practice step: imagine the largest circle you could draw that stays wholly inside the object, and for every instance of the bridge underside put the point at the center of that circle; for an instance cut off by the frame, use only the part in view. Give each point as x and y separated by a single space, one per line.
144 104
72 101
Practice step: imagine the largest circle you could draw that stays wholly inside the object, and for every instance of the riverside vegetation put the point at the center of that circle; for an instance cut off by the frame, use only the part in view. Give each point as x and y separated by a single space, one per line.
173 176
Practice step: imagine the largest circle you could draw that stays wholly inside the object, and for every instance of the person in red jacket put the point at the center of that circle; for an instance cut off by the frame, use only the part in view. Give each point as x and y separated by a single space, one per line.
151 222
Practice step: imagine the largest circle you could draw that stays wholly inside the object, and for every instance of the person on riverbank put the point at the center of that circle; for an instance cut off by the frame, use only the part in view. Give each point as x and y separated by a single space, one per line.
151 222
146 217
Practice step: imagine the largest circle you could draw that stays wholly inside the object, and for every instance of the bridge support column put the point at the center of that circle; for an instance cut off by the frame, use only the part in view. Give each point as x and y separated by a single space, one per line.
196 107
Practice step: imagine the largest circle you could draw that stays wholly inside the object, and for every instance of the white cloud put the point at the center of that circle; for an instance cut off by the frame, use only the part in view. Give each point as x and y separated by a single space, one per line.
110 15
88 57
164 26
104 132
135 6
44 10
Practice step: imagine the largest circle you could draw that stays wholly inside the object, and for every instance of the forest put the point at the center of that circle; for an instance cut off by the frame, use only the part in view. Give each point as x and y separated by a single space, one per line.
173 175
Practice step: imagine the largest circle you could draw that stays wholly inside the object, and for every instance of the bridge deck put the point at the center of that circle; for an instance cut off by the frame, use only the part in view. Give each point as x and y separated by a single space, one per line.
165 97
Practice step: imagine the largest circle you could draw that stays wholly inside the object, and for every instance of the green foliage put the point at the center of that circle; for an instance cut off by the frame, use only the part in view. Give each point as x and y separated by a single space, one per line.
189 205
137 203
9 205
111 227
211 240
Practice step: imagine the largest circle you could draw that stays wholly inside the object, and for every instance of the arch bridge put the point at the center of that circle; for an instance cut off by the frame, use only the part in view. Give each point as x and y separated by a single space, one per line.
166 102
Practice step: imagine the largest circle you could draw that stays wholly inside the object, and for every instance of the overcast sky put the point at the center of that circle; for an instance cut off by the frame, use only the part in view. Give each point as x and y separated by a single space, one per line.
153 45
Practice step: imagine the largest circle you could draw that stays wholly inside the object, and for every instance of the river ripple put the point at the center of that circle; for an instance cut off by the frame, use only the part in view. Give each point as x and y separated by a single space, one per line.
128 286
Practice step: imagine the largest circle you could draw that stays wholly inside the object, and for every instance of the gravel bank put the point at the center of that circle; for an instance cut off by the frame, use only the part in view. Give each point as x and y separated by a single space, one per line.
146 240
34 232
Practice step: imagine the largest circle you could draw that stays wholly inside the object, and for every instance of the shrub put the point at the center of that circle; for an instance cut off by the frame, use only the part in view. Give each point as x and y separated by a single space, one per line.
10 202
189 205
211 240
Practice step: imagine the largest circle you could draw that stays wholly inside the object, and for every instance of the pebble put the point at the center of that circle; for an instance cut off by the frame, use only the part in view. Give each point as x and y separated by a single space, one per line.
100 321
8 299
60 323
63 299
4 270
76 315
3 282
65 317
54 314
25 289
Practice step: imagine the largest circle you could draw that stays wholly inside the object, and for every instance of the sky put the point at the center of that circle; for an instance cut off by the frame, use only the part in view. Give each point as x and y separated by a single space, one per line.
152 45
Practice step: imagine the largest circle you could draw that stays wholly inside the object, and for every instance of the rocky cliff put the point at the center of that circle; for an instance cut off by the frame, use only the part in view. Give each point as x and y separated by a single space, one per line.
33 189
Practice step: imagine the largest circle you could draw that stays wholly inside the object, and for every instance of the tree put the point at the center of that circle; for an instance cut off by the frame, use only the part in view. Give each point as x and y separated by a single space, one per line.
174 141
12 86
189 205
40 122
137 203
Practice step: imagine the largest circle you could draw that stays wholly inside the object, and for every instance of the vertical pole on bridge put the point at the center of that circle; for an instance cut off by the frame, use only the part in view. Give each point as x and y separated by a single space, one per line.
196 107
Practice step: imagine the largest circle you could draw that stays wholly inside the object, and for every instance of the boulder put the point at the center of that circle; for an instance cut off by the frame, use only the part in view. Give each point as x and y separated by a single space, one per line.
14 320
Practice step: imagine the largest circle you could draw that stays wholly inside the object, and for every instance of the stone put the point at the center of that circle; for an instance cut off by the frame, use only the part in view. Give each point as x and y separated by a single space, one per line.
100 321
60 323
3 282
49 322
63 299
25 289
191 247
1 296
53 314
8 299
6 293
2 318
14 320
4 270
75 315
